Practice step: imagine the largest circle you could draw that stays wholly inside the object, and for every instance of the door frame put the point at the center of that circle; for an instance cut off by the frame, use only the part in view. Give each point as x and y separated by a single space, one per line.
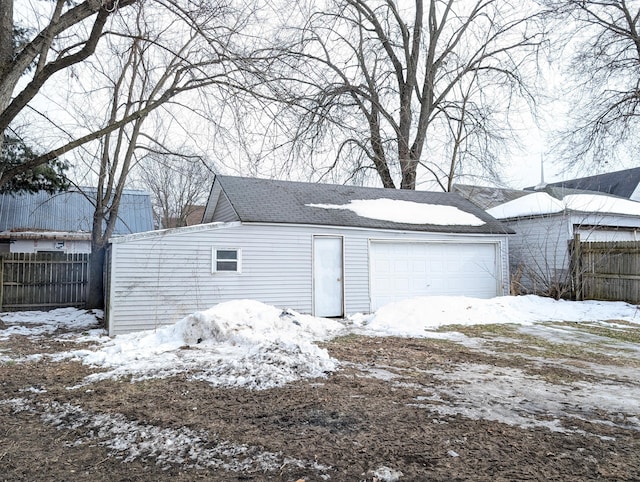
313 272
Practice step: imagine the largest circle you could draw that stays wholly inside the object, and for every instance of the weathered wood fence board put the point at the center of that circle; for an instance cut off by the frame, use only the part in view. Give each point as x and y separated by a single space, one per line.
35 281
607 270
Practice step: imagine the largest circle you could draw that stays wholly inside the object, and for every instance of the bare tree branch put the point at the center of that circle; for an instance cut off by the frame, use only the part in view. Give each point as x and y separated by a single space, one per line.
390 72
605 73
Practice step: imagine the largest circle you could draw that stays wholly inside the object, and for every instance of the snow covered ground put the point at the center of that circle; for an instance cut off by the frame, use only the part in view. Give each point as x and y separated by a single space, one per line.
254 346
248 344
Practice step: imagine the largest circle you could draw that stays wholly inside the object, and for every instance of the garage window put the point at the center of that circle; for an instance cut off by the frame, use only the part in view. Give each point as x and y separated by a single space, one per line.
226 260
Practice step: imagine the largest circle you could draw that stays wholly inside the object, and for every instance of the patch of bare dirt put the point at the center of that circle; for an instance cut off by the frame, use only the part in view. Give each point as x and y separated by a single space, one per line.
349 426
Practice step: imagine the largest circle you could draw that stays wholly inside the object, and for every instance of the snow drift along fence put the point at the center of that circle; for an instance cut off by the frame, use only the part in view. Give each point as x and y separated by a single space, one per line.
607 270
40 281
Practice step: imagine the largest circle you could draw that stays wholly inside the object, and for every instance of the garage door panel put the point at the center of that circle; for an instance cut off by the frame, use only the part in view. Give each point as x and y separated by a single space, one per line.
404 270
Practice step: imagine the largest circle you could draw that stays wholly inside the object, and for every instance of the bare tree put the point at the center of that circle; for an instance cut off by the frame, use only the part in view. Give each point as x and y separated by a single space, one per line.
38 54
206 45
178 183
399 87
157 54
604 71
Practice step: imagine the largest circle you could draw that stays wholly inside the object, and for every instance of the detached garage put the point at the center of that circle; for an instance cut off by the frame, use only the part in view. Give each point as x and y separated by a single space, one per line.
328 250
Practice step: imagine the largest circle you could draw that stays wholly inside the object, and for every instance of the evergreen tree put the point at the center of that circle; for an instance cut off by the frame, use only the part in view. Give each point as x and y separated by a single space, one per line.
48 177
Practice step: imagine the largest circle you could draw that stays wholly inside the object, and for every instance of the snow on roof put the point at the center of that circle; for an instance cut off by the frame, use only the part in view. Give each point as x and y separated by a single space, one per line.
602 204
531 205
410 212
541 203
254 200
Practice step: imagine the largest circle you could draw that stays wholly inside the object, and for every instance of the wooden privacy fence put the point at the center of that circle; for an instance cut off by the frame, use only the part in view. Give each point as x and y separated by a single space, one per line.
36 281
606 270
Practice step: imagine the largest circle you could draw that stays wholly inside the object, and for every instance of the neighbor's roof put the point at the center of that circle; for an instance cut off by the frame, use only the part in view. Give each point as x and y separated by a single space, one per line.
286 202
72 211
541 204
619 183
487 197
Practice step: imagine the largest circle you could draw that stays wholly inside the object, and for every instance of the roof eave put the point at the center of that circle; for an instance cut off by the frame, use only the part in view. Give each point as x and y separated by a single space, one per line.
418 228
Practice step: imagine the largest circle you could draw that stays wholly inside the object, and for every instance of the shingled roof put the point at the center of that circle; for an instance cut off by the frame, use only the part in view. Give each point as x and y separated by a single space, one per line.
487 197
618 183
285 202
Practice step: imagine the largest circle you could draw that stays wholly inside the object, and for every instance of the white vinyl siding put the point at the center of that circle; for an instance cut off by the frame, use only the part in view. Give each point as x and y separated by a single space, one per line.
49 245
224 211
157 278
539 251
218 207
592 235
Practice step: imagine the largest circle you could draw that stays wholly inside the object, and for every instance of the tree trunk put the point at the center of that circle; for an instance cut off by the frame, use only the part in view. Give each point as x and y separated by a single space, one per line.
408 168
95 295
6 50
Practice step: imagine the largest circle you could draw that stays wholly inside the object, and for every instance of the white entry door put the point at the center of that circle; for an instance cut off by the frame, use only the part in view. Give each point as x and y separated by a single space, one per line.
328 290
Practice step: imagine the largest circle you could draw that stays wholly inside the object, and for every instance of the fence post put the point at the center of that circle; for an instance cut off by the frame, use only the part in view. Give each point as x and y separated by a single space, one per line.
1 279
577 266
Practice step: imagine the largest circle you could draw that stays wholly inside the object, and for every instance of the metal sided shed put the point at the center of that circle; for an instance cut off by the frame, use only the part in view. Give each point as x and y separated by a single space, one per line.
315 248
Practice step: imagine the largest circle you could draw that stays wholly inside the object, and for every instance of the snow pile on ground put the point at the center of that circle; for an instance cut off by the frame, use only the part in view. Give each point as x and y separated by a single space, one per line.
248 344
386 474
416 316
34 323
239 344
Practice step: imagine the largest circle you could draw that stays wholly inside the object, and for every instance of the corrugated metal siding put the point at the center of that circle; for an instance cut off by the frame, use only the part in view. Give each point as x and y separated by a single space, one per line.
72 211
156 280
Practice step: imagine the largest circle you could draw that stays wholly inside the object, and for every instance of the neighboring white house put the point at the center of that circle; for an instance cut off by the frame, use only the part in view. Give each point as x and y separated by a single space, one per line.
540 258
45 241
43 222
315 248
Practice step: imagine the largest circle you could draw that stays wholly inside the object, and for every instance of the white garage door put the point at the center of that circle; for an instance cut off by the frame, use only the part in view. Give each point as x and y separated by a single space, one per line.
403 270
